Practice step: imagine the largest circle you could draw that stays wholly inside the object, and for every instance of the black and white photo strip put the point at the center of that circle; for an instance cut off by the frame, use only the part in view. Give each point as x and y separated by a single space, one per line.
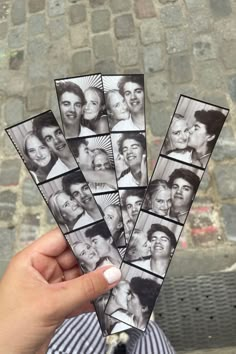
133 299
168 198
193 131
42 147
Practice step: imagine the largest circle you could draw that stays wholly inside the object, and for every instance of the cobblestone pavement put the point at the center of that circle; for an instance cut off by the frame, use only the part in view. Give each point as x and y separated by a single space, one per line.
182 46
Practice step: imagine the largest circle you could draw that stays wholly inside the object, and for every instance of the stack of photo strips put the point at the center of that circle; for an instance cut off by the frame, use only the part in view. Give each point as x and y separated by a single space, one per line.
93 176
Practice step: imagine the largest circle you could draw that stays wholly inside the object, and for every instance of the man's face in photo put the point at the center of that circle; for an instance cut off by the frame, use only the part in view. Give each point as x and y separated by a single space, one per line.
134 97
181 193
71 108
85 158
133 152
133 204
54 139
160 245
81 193
101 245
198 135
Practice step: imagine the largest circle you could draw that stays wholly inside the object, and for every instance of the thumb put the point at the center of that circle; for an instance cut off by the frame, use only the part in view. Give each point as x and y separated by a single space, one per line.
76 292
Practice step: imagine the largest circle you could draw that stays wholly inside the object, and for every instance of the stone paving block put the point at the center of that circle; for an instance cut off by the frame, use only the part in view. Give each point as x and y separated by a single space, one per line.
177 40
14 111
166 1
77 14
30 193
204 47
124 26
119 6
18 13
16 37
187 90
79 36
81 62
106 66
7 205
7 240
157 88
180 68
4 10
229 212
8 148
29 229
217 98
38 70
4 54
232 86
36 98
159 120
205 182
3 30
16 60
193 5
209 75
10 172
225 147
127 50
100 20
171 16
144 9
225 180
102 45
227 51
95 3
36 24
57 28
200 22
36 5
153 57
55 7
133 70
220 8
151 31
37 46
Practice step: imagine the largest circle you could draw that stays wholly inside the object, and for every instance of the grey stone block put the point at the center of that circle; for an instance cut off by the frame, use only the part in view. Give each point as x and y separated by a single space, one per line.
209 75
38 47
171 15
153 57
36 25
10 172
57 28
225 147
29 228
79 36
95 3
36 5
38 70
81 62
127 50
232 87
16 60
4 10
159 120
77 14
124 26
217 98
119 6
180 68
3 30
177 40
36 98
106 66
200 22
7 240
144 9
204 48
30 194
225 180
205 182
18 13
103 46
229 212
101 20
220 8
157 88
8 148
7 205
227 52
16 37
14 111
151 31
55 7
193 5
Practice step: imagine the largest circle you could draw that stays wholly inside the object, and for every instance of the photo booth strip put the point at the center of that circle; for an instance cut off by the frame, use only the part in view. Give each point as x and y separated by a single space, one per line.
85 122
190 140
125 103
45 152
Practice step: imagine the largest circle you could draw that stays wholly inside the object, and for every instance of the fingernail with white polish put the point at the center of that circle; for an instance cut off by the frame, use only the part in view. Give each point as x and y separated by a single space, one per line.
112 275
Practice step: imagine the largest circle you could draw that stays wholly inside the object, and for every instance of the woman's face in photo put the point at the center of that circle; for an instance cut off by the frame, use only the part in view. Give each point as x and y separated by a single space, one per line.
87 255
68 206
112 218
118 106
92 106
161 202
179 134
37 151
142 246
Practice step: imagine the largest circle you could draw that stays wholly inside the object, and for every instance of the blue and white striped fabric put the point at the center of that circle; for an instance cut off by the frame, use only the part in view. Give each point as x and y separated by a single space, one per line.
82 335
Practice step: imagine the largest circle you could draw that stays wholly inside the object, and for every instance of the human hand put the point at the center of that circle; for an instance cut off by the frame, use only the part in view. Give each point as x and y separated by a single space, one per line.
41 287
